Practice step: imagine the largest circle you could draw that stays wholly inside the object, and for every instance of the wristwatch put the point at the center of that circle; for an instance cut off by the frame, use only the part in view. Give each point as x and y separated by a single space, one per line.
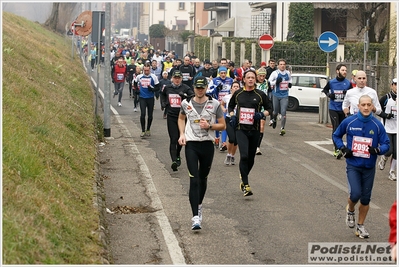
210 126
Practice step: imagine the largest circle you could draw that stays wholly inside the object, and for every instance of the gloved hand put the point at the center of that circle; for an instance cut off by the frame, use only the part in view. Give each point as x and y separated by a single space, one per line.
344 92
289 85
182 95
279 80
374 150
258 116
389 116
332 96
150 88
346 152
219 87
113 81
233 121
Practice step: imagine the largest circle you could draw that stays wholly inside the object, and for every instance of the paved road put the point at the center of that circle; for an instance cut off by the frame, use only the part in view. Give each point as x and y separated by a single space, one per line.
299 197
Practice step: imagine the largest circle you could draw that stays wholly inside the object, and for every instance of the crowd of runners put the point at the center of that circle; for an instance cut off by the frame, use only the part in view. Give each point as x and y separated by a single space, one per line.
216 103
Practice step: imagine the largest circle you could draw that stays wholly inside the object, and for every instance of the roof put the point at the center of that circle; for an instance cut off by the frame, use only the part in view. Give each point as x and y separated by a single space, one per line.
226 26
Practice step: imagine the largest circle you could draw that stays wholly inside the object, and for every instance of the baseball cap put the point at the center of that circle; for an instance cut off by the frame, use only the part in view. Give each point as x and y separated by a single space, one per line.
201 82
177 73
261 71
354 72
207 62
222 69
395 81
263 64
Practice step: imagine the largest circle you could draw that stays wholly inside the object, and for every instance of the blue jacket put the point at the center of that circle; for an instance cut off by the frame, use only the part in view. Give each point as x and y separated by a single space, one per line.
369 127
337 86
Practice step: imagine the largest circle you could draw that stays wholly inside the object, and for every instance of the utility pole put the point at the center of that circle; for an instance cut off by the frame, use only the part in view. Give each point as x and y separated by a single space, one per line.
107 71
366 44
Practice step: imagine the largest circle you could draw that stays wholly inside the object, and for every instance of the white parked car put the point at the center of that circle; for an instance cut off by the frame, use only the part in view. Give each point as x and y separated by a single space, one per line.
306 90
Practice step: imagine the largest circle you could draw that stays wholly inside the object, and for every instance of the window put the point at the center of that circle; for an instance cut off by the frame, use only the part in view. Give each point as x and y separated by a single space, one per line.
181 6
161 6
161 22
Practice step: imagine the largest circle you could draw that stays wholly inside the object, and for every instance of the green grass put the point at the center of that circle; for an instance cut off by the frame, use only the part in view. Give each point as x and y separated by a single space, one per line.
49 150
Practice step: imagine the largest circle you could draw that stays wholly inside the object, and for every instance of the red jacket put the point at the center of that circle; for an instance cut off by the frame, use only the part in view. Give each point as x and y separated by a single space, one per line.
119 73
392 224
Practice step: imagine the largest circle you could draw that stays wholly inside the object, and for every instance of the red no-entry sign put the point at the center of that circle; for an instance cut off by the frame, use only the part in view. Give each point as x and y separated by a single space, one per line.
266 42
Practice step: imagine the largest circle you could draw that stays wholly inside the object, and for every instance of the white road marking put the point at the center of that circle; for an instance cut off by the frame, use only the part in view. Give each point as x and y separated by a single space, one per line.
172 244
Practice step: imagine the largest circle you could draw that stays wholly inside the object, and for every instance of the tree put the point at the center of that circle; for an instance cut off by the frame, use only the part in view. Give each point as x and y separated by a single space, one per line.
61 15
378 15
301 23
158 31
185 34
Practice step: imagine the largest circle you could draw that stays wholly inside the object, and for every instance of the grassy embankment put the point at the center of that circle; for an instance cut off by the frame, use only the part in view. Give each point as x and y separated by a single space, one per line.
49 150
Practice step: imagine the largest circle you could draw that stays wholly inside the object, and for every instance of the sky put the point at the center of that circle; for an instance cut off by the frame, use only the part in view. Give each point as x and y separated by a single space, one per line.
32 11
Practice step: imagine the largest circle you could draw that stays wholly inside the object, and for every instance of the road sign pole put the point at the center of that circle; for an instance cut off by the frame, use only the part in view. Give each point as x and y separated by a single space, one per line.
328 67
73 39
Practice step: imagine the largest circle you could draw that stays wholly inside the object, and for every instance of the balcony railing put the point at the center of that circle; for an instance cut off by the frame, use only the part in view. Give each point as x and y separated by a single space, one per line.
215 6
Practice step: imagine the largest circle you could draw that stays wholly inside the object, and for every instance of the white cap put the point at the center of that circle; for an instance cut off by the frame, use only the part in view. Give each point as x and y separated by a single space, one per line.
395 80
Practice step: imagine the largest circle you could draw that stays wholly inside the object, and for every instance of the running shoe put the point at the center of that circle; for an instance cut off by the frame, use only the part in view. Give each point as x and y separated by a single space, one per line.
119 104
241 185
338 154
227 161
382 162
164 116
200 213
142 135
274 124
232 161
350 217
178 161
361 231
223 148
216 142
247 191
271 123
258 152
392 176
279 117
174 166
135 109
147 133
282 131
196 223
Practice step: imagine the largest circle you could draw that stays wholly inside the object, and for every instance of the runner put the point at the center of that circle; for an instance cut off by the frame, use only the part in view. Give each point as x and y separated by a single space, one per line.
196 120
366 138
148 84
246 120
389 117
262 85
171 97
281 80
232 143
336 90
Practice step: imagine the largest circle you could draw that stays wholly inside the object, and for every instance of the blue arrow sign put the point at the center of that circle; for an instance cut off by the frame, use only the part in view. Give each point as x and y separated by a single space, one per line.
328 41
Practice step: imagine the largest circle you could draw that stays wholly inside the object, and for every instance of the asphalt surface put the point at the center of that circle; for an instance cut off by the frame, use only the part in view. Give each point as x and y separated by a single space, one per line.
299 197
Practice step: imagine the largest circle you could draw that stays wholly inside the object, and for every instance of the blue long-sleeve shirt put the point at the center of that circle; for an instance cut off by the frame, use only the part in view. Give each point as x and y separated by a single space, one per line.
360 132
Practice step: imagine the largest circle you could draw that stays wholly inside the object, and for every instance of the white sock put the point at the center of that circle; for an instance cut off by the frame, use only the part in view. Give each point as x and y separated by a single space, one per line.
393 165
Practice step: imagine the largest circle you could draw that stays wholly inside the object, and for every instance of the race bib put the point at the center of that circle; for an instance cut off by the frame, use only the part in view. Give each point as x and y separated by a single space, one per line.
339 95
119 76
221 95
360 146
186 76
145 82
247 116
394 111
284 86
174 100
